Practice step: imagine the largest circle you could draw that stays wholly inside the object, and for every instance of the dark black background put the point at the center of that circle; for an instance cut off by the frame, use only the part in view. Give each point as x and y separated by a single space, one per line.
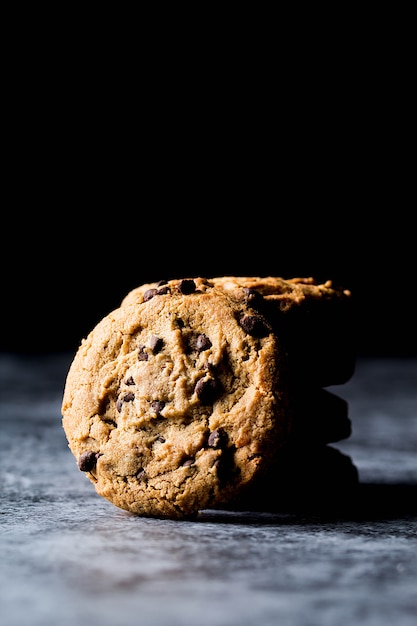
63 272
269 169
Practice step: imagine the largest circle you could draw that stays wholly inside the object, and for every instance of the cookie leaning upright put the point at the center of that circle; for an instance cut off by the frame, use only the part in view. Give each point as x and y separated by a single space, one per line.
177 401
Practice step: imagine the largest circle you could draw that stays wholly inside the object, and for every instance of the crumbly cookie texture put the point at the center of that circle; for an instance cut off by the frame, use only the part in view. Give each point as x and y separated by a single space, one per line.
177 400
286 292
313 320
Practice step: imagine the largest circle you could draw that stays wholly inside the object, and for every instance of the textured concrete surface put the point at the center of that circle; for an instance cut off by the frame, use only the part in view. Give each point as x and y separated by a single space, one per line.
68 557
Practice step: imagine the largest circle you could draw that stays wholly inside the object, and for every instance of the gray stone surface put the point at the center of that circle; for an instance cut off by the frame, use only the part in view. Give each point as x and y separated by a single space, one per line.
68 557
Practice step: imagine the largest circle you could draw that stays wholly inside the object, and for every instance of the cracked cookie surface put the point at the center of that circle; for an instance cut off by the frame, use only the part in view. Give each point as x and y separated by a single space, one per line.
313 320
177 400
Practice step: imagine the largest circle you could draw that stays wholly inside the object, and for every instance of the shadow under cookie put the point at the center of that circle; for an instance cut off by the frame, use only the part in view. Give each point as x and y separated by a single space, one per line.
304 478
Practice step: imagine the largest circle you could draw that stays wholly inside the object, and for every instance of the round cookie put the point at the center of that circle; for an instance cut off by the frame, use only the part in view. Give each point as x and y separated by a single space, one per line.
313 320
177 401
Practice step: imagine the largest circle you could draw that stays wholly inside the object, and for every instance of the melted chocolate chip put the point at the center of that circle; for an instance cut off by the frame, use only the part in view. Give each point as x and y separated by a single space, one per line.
155 344
87 461
197 343
254 325
129 381
157 406
128 397
149 294
163 288
217 438
186 286
203 343
188 462
142 354
207 390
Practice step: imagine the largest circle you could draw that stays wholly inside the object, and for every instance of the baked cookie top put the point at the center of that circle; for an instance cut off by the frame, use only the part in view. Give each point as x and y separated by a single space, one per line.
314 321
286 292
177 400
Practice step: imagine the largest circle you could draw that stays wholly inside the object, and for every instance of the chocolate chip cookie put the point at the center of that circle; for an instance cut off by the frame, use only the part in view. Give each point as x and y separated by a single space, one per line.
315 320
178 400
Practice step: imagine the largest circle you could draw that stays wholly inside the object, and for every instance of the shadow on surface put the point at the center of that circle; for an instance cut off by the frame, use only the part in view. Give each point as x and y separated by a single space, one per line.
364 502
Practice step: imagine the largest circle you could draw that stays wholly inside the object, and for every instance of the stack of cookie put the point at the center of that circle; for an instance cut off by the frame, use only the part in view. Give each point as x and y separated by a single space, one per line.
315 323
210 393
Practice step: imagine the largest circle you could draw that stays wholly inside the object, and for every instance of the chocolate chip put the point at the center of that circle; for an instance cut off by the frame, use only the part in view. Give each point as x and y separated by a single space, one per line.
197 343
217 438
157 406
188 462
161 439
87 461
155 344
129 381
254 325
128 397
207 390
186 286
142 354
140 474
253 296
149 294
163 288
203 343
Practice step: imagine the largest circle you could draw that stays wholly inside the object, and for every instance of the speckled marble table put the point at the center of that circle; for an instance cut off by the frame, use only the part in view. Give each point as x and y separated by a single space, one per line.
68 557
